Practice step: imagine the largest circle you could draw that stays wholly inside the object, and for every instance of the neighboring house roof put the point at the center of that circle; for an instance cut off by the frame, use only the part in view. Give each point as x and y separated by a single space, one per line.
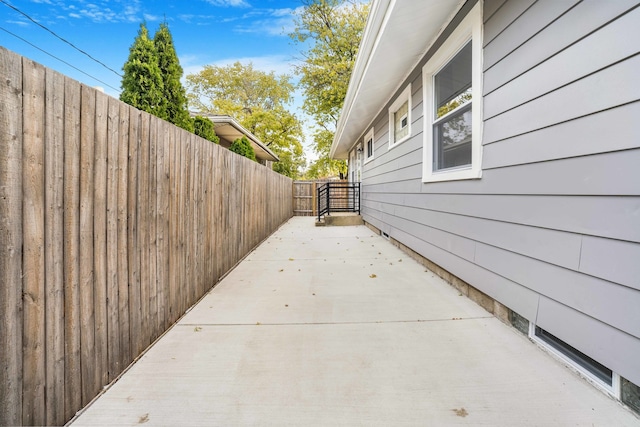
397 36
228 130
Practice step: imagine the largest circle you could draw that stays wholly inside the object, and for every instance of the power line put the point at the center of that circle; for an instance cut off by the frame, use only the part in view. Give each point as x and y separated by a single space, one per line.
64 40
61 60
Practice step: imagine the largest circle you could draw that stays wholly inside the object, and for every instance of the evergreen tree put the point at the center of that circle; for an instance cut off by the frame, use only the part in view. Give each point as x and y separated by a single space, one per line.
204 128
171 72
243 147
142 85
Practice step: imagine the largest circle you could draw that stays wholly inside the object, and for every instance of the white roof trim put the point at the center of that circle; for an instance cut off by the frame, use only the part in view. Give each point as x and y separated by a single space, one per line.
255 142
391 48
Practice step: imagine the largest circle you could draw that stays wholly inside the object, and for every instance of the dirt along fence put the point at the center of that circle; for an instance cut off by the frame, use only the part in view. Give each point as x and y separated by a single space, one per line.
112 224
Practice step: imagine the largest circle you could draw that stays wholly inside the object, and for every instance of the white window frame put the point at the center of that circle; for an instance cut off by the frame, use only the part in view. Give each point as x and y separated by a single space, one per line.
359 162
405 96
352 165
469 29
367 137
613 389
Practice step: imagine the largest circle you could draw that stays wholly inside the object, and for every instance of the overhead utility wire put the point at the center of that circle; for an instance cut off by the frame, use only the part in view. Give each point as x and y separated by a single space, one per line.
61 60
64 40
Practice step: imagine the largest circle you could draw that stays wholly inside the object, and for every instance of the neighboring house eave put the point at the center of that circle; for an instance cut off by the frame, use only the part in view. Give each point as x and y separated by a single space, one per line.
238 131
391 48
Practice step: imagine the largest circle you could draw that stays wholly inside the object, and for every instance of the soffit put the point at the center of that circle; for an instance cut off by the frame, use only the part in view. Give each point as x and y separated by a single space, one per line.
396 38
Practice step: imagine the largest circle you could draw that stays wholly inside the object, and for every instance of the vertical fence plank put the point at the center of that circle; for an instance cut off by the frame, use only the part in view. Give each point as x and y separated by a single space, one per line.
72 246
54 248
190 219
114 353
152 248
174 295
194 232
132 233
87 320
162 262
123 259
33 245
182 226
11 238
143 231
185 222
101 369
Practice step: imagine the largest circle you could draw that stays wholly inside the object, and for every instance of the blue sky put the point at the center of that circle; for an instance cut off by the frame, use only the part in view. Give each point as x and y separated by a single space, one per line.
217 32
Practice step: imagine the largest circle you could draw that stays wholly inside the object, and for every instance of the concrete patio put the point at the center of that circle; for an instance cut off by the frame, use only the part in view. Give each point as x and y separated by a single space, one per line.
335 326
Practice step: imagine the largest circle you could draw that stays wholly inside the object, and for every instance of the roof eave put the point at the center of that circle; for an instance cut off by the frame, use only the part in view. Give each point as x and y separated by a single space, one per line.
223 119
381 67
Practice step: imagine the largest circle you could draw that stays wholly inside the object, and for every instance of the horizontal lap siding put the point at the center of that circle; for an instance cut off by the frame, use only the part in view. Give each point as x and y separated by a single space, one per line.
551 229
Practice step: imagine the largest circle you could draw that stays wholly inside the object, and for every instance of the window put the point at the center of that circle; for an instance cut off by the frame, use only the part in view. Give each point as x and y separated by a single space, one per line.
352 164
400 118
452 81
368 146
598 373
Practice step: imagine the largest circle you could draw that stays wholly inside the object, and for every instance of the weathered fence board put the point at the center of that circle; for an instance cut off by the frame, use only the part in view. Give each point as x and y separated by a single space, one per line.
122 249
11 236
112 224
113 323
33 243
86 291
73 383
54 231
101 371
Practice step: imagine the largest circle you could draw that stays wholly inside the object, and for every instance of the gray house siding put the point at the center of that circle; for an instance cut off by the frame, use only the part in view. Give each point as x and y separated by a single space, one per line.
552 229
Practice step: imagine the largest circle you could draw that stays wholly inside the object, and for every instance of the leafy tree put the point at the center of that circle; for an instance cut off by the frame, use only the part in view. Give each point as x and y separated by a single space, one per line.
243 147
333 30
142 85
204 128
259 101
171 72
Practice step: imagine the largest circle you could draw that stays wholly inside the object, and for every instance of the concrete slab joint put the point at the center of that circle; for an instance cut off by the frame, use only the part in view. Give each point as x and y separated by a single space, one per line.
336 325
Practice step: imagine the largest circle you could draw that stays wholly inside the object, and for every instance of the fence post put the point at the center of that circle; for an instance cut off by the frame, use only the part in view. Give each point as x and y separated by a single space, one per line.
328 199
314 199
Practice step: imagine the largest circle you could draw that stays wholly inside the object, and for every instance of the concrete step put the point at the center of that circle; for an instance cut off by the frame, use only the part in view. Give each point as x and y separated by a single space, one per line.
343 220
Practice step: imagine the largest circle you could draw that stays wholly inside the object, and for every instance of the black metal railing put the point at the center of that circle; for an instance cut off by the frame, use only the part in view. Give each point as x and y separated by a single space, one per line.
338 197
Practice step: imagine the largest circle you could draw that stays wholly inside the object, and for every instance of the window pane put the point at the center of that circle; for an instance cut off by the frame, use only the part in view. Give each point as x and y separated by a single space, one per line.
369 148
452 140
400 119
453 83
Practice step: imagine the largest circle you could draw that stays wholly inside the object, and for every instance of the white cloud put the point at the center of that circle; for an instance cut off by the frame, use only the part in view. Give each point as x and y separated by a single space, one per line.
272 22
97 11
151 18
279 64
227 3
20 23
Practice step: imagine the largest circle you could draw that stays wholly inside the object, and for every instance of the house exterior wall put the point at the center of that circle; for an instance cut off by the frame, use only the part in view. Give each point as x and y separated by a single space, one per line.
552 229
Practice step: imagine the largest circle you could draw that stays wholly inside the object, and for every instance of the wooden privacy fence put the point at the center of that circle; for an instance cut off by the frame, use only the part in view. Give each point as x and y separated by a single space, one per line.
304 196
112 224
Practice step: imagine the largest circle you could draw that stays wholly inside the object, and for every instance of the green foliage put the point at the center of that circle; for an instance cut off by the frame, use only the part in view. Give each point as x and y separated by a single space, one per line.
204 128
171 72
259 101
142 85
324 166
243 147
333 30
454 103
